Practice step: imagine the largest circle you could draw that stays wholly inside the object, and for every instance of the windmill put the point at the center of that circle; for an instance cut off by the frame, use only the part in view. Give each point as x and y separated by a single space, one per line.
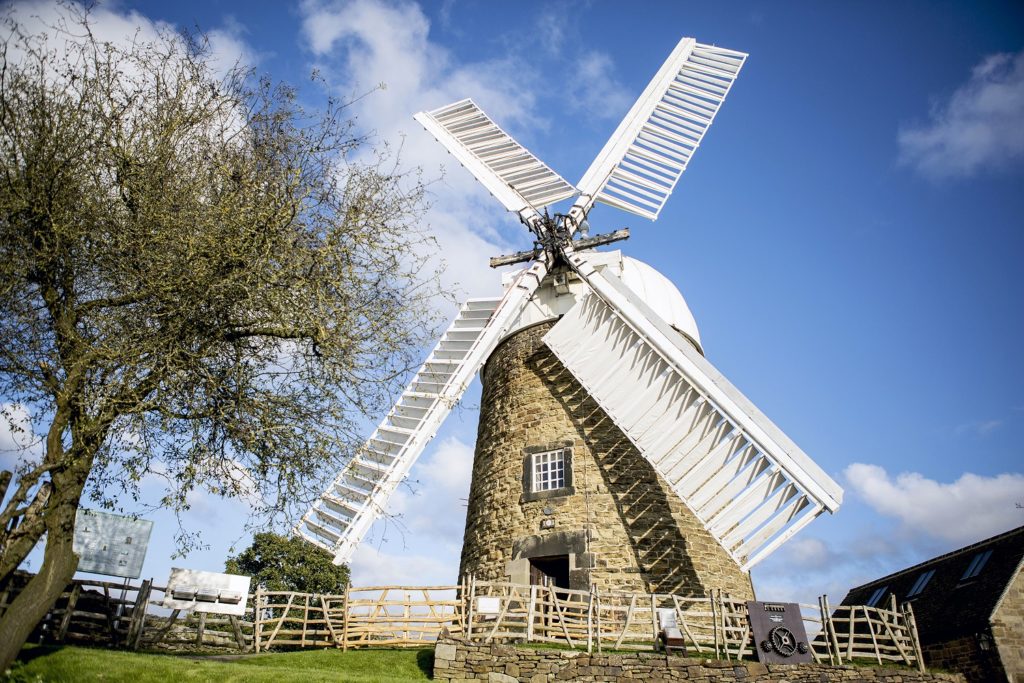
718 466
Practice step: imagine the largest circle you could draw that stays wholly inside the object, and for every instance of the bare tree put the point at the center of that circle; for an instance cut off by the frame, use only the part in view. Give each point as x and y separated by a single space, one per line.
196 281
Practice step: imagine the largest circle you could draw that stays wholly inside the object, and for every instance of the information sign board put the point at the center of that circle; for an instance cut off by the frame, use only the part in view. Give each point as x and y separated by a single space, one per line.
192 589
110 544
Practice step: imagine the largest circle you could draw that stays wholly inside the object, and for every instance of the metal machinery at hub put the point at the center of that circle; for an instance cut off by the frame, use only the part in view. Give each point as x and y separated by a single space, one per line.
610 451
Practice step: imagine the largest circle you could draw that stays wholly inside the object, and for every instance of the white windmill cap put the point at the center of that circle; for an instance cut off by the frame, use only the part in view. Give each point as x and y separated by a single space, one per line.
553 299
658 292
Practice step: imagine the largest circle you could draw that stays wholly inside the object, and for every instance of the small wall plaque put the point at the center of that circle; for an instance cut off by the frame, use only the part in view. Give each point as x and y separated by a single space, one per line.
488 605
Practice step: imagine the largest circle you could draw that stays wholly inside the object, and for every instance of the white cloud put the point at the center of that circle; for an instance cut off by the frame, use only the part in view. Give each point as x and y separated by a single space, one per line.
930 518
109 25
967 510
978 127
228 48
371 567
18 442
807 566
435 504
420 539
553 27
591 88
596 92
368 42
810 553
978 427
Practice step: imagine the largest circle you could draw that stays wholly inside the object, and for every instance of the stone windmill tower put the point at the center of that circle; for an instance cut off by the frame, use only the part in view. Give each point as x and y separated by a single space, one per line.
610 451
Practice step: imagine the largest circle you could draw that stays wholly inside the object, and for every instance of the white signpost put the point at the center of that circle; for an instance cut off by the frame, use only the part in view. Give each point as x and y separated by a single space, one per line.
206 593
211 592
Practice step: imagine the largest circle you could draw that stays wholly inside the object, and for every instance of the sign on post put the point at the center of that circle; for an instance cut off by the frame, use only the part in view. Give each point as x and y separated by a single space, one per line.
192 589
110 544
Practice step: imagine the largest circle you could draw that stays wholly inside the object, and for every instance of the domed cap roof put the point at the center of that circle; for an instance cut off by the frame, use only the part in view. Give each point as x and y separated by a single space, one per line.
557 294
658 292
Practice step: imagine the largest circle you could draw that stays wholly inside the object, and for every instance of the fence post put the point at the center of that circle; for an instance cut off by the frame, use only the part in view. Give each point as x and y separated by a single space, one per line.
530 612
654 619
725 624
201 628
908 613
469 611
590 620
715 613
237 628
344 618
406 611
138 617
69 610
305 621
597 596
464 587
871 630
823 610
257 622
832 630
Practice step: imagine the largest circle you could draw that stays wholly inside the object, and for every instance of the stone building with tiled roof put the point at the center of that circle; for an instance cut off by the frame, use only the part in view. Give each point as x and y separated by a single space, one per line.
969 606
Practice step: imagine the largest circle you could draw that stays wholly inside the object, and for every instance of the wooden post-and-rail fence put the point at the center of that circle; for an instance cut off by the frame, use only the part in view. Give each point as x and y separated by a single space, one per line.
713 625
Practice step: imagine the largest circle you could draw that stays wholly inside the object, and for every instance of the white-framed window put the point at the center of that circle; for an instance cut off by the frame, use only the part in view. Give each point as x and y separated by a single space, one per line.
548 470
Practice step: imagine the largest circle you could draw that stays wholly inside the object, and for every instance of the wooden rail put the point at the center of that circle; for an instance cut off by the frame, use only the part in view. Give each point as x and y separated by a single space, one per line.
879 633
121 614
713 625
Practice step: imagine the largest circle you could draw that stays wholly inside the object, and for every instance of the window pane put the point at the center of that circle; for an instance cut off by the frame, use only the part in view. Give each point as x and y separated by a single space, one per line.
977 564
876 596
921 582
548 471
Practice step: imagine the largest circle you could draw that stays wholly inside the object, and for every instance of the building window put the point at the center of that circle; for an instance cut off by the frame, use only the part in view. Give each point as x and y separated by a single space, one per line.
921 582
976 565
877 596
548 471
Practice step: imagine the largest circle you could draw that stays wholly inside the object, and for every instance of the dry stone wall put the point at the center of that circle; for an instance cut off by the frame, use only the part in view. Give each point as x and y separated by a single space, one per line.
457 660
620 523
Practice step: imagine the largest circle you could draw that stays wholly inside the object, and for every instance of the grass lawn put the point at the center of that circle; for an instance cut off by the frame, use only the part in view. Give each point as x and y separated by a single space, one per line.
73 664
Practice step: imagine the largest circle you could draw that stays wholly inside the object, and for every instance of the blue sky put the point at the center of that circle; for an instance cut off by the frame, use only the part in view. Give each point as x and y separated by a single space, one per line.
849 236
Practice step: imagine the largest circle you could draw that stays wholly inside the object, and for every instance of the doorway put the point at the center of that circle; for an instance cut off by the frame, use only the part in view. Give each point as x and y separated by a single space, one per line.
550 571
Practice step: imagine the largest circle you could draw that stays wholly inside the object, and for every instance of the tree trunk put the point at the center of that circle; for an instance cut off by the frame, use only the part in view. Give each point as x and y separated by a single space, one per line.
20 540
57 570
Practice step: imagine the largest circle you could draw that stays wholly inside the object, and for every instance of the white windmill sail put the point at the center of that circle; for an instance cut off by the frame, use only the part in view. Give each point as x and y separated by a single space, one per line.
750 485
343 514
642 161
507 169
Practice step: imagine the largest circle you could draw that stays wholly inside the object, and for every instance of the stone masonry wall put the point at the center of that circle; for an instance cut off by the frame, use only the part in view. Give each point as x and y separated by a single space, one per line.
1008 629
1004 660
632 533
964 655
457 660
